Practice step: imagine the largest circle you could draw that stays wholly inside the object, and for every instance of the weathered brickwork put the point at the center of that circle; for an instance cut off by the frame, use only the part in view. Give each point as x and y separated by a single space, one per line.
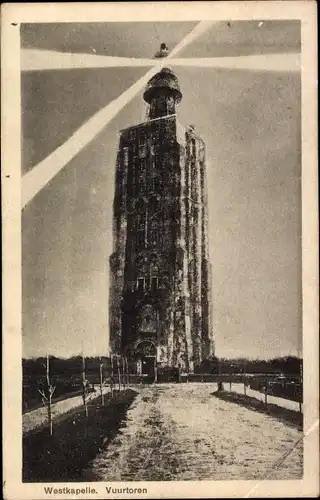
160 271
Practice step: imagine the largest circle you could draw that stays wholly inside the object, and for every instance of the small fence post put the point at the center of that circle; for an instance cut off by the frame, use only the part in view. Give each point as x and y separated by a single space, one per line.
230 385
265 396
244 379
220 383
155 371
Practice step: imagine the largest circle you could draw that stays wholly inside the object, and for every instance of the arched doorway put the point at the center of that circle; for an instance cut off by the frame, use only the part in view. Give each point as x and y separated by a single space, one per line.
146 356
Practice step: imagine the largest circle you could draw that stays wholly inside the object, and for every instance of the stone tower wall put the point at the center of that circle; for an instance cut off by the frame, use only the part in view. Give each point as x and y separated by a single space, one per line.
159 269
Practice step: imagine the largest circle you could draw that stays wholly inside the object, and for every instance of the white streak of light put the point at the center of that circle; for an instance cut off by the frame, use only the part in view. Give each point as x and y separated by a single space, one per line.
34 180
40 60
260 62
198 30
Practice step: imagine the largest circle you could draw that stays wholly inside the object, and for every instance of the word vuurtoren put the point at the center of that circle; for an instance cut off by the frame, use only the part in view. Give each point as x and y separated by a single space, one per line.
127 490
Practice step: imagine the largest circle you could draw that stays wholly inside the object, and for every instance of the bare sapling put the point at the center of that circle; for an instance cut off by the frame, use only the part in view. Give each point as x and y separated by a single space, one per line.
101 382
47 394
300 387
128 376
123 373
245 379
85 387
119 374
266 391
112 377
127 370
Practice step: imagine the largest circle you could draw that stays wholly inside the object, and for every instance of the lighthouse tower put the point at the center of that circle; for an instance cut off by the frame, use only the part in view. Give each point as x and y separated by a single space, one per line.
160 284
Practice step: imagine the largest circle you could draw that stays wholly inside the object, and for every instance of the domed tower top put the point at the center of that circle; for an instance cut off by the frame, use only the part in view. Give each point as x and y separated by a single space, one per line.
162 93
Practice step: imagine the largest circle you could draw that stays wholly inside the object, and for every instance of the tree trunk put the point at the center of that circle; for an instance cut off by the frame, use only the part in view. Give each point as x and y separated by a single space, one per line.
84 388
119 375
49 396
123 373
101 384
50 416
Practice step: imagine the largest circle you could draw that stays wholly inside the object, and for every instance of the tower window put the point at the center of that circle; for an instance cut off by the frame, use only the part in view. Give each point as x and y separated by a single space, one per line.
154 283
140 184
154 237
147 283
142 135
133 175
142 150
154 268
193 147
154 204
141 238
141 177
156 183
140 284
140 205
156 159
141 221
126 156
153 183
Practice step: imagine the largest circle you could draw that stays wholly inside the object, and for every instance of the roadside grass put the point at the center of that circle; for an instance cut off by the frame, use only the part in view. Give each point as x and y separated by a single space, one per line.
76 440
289 417
34 405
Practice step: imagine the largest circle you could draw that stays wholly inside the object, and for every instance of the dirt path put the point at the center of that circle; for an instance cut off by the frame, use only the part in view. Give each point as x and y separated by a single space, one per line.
182 432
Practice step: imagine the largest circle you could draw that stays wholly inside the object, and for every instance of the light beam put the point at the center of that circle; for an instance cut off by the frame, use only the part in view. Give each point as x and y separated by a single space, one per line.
41 60
198 30
34 180
260 62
